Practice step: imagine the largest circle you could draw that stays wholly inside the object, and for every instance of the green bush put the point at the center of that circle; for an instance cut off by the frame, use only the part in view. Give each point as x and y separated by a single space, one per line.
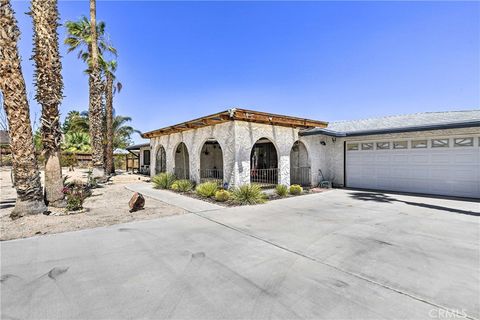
295 189
222 195
248 194
207 189
163 180
183 185
281 190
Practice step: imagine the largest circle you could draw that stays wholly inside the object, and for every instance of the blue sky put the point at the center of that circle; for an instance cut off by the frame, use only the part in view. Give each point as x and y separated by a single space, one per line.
321 60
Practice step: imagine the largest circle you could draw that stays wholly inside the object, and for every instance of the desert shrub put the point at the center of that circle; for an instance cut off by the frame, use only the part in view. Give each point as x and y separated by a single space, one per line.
75 194
163 180
183 185
295 189
222 195
248 194
207 189
281 190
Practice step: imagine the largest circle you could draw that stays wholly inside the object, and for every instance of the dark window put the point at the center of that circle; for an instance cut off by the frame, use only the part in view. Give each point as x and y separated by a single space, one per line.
146 157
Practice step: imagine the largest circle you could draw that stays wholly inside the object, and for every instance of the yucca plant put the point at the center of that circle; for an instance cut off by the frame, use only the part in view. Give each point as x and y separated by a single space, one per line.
163 180
248 194
281 190
183 185
207 189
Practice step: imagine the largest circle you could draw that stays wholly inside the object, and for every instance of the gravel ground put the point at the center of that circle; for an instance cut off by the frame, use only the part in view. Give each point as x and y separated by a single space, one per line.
107 206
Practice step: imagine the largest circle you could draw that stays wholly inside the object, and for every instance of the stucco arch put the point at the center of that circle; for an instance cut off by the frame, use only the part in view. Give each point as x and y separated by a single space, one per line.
181 158
211 161
160 159
264 162
300 164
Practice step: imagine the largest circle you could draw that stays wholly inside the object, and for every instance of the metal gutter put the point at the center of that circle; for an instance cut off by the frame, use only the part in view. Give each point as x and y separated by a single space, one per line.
441 126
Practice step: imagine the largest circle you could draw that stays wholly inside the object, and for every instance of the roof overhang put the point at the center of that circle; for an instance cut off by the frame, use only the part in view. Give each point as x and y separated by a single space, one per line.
439 126
238 115
137 146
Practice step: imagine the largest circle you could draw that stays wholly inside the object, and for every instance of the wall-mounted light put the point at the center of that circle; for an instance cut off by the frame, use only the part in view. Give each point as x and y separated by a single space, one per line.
322 143
334 139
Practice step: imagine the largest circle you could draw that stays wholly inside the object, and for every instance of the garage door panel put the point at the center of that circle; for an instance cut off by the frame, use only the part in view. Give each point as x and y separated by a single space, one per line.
399 158
444 171
465 158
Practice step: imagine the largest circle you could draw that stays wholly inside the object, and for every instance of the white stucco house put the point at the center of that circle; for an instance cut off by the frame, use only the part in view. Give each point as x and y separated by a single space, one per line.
431 153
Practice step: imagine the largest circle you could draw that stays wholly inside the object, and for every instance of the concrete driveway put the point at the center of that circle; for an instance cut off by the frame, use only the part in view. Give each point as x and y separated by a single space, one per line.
337 255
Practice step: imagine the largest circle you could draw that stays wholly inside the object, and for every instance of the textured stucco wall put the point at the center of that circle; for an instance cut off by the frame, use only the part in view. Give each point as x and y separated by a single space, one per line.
194 140
236 139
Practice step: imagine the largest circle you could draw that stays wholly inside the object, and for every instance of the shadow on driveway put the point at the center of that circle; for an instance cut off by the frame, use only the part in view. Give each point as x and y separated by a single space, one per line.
381 197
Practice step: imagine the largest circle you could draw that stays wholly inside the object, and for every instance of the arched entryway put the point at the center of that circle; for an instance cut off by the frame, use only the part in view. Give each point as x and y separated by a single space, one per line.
182 162
299 165
161 160
211 162
264 163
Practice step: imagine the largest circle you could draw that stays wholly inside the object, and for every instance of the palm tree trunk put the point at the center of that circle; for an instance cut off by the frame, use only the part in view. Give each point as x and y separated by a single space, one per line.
95 103
48 80
12 84
109 111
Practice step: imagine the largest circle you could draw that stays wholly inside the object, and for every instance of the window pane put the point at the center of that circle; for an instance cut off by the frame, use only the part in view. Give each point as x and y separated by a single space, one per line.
439 143
419 144
383 145
352 146
400 145
367 146
463 142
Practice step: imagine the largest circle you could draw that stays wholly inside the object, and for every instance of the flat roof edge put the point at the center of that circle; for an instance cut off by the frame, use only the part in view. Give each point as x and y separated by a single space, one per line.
451 125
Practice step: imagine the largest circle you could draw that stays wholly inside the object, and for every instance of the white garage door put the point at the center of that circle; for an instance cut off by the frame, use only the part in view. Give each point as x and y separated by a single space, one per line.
446 166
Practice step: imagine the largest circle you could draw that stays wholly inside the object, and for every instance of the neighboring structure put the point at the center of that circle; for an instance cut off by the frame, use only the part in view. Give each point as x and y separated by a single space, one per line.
434 153
140 159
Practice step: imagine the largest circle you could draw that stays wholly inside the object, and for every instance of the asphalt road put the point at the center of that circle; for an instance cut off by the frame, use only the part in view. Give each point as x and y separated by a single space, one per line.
337 255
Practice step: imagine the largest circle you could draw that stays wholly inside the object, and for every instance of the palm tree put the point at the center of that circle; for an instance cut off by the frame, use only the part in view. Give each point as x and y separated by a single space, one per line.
78 122
109 69
89 38
49 84
79 38
77 142
12 84
95 99
122 132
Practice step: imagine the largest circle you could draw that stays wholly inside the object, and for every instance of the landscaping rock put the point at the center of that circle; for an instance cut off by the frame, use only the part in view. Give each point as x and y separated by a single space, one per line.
137 202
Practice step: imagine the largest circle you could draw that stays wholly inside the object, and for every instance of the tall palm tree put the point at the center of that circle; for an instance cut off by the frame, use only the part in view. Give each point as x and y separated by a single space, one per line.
87 39
12 84
109 69
49 84
95 98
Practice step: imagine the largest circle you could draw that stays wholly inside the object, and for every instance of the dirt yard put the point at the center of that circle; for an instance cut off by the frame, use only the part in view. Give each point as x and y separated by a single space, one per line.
108 205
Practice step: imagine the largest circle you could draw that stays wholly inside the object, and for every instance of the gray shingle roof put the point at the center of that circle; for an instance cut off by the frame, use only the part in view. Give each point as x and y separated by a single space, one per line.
402 121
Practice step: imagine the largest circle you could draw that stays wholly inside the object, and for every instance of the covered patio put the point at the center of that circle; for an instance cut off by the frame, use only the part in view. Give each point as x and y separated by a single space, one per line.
235 147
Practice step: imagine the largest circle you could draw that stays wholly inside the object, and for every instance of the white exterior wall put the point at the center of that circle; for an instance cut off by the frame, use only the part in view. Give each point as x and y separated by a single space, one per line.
194 140
236 139
330 158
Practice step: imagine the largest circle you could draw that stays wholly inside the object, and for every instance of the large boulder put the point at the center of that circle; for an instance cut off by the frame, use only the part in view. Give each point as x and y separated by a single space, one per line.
137 202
